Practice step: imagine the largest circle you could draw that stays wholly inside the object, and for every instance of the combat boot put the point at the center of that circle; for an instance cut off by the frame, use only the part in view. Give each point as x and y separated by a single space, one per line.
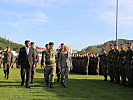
47 83
58 80
51 85
5 76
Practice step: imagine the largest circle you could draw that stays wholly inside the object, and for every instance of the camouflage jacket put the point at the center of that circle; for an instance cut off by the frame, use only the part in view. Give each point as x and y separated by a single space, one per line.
50 57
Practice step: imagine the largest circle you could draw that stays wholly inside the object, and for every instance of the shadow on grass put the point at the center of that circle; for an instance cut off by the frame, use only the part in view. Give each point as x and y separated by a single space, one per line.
40 70
8 82
91 89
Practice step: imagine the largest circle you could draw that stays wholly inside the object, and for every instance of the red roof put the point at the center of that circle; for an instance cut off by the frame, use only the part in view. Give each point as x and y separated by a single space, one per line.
39 48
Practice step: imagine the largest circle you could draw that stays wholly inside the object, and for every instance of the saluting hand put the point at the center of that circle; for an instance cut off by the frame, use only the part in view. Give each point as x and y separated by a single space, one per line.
59 67
71 68
19 66
44 66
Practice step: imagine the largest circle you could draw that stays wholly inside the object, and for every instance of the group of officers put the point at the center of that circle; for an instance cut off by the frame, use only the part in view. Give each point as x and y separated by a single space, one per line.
53 61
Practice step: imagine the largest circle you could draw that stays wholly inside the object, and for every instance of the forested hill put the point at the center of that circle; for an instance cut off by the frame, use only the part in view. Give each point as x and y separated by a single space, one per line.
98 48
13 46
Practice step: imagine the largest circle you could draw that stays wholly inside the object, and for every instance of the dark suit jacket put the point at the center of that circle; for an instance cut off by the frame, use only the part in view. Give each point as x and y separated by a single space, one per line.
63 61
23 57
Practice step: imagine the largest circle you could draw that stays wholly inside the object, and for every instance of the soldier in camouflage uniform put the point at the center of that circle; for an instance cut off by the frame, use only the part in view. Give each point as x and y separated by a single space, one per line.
129 68
110 63
42 60
122 62
49 63
104 64
8 61
58 72
33 69
116 64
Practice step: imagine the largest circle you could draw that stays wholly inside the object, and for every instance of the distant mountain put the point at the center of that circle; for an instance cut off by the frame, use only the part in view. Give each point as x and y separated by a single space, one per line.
13 46
98 48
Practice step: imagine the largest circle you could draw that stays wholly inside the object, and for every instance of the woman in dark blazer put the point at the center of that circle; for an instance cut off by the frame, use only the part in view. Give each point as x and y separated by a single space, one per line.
65 64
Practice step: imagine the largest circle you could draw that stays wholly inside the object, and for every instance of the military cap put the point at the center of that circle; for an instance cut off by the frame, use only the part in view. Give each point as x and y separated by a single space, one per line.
129 43
32 43
115 45
122 44
7 47
62 43
110 45
51 43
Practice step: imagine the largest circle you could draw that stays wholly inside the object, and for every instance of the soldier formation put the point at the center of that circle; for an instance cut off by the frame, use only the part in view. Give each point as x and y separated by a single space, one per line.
116 63
86 64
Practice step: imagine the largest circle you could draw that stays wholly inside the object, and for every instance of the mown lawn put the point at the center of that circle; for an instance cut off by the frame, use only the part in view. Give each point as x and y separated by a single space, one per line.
80 87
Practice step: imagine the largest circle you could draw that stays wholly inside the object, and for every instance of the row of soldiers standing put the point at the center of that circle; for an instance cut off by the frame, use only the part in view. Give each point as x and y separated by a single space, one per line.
86 64
118 64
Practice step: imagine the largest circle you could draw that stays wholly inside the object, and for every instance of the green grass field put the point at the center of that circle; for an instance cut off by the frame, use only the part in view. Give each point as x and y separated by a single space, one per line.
80 87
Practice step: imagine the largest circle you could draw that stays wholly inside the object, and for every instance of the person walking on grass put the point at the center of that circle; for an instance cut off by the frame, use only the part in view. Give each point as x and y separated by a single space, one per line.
65 65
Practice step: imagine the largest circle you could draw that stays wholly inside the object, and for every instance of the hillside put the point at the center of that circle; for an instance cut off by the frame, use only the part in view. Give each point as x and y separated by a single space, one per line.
13 46
98 48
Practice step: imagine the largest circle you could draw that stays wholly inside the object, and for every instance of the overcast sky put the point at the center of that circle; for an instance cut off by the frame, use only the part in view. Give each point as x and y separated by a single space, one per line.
78 23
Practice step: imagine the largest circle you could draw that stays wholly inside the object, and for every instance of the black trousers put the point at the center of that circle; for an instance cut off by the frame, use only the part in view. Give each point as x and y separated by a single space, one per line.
26 70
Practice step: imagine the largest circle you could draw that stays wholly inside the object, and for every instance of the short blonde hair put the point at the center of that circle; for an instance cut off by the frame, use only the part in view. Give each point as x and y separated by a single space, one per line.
65 46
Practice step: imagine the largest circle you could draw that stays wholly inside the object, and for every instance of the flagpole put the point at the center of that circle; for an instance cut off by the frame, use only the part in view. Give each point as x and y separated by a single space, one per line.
117 23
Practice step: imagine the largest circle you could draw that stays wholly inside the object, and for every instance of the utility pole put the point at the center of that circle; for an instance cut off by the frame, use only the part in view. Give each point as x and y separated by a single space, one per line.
117 23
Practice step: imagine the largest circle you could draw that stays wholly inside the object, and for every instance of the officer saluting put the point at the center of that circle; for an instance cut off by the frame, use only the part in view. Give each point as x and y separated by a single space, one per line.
8 61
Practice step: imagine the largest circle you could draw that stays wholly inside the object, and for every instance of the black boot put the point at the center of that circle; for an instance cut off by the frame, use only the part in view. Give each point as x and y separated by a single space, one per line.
51 85
5 76
65 86
27 86
32 82
105 78
58 80
47 83
22 83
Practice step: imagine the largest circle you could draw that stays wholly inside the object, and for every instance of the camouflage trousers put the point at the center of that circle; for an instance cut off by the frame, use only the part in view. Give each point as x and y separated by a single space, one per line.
7 68
105 71
130 76
110 72
58 72
64 74
50 71
123 73
33 70
116 73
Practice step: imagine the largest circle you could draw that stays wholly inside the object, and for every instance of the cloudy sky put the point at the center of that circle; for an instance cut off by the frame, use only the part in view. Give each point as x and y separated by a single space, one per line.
78 23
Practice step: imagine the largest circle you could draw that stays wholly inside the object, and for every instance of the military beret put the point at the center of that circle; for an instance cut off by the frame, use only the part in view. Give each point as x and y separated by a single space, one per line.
62 43
7 47
32 43
115 45
51 43
129 43
110 45
122 44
